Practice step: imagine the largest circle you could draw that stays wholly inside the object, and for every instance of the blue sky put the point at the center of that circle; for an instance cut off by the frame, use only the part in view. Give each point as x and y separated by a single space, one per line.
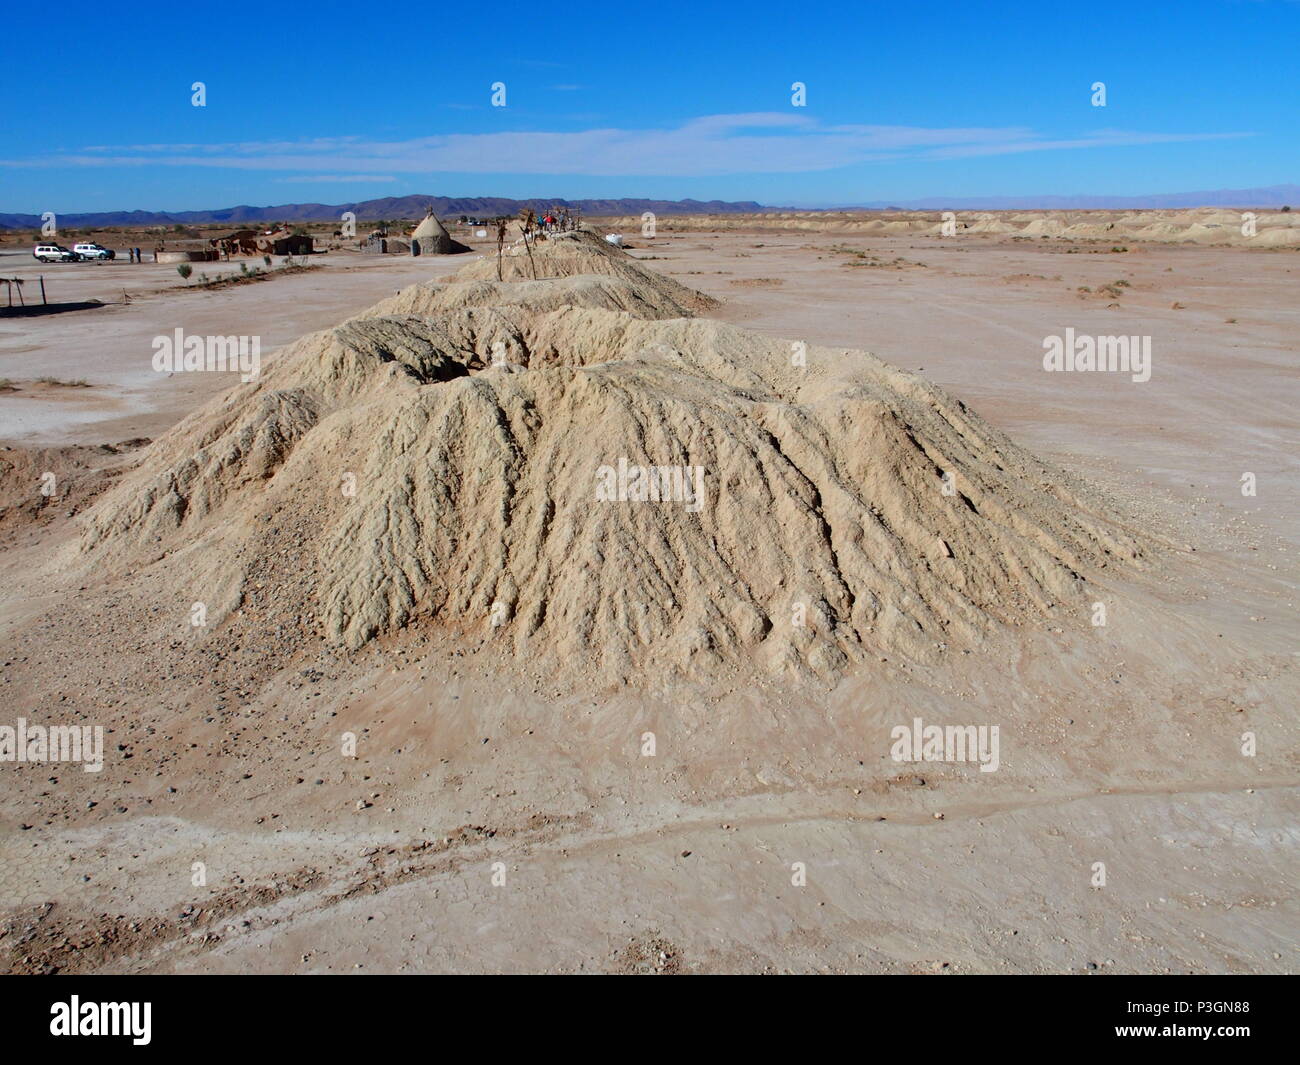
335 102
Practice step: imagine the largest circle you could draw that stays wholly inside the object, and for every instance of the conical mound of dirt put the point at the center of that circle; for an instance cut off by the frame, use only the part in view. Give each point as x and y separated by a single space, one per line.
574 254
613 494
602 292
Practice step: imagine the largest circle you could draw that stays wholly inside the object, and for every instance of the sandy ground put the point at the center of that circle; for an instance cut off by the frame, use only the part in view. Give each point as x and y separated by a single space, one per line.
111 348
1120 747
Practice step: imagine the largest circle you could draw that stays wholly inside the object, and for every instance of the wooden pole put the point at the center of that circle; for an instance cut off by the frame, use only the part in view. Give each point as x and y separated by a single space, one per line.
526 217
43 299
528 246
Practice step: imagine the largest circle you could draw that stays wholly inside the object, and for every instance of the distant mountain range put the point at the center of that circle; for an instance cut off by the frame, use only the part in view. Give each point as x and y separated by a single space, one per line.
391 207
398 207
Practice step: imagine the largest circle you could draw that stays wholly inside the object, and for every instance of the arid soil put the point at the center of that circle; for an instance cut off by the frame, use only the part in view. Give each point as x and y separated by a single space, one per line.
1246 227
109 346
515 805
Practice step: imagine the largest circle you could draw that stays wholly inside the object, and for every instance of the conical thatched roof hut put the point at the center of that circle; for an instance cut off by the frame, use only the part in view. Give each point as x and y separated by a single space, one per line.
431 238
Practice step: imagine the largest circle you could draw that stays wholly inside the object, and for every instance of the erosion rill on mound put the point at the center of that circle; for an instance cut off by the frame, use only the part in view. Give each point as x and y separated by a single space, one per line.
844 508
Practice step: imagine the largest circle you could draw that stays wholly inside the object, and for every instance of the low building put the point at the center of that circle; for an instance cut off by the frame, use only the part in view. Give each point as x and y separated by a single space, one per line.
240 242
284 242
380 243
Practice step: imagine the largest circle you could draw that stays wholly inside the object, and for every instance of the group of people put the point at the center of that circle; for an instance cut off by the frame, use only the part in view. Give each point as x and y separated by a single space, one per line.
556 223
134 255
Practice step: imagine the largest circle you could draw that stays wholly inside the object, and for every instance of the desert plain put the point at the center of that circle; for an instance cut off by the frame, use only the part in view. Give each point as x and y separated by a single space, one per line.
582 781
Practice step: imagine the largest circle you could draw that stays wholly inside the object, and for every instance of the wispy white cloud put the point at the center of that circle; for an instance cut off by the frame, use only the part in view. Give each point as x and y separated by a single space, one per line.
349 178
764 142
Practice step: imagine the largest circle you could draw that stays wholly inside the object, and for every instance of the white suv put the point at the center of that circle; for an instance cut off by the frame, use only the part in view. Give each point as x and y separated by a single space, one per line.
54 253
93 251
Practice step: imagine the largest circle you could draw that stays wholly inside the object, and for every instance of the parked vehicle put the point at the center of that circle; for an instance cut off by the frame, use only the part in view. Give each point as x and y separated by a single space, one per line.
54 253
93 251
